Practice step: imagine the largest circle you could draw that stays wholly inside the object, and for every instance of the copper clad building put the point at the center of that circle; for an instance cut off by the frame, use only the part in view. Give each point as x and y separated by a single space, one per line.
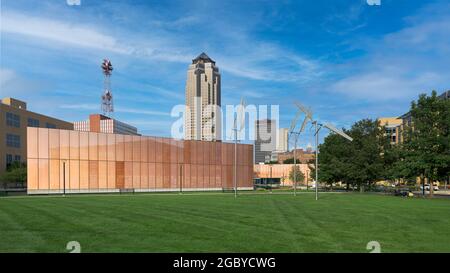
87 162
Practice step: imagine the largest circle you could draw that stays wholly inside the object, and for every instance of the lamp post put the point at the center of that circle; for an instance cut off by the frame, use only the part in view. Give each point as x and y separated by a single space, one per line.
64 178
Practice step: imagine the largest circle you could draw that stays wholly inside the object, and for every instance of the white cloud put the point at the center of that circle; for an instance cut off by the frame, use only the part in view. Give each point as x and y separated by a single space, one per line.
402 64
73 34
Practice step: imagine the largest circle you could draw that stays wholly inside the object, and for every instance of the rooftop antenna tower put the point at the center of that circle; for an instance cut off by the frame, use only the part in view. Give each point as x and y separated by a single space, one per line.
107 98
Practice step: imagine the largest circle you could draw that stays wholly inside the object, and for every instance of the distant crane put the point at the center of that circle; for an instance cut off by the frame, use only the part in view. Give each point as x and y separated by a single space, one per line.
107 97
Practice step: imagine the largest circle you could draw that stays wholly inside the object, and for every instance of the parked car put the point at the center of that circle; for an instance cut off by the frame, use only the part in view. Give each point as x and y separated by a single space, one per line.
427 187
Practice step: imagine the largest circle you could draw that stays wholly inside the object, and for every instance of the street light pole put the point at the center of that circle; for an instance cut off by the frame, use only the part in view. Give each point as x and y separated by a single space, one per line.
235 160
295 166
317 159
64 178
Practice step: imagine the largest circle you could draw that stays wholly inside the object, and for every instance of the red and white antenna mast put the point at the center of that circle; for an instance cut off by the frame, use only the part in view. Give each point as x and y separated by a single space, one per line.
107 98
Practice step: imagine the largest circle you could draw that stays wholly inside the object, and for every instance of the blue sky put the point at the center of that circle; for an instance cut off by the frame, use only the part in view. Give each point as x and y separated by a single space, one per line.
343 58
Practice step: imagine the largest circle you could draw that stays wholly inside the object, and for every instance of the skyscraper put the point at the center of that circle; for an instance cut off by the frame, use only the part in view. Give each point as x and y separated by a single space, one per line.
283 140
202 119
265 140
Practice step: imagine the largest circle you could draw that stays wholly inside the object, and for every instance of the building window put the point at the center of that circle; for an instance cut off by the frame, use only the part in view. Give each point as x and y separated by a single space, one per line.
12 120
50 125
17 158
9 160
33 122
13 141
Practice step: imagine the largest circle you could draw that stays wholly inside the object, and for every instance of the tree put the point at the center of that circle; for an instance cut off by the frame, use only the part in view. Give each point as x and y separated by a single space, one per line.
300 176
358 162
291 161
333 160
365 165
427 140
16 173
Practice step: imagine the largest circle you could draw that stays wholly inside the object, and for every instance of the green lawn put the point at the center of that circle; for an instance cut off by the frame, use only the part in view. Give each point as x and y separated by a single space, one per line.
219 223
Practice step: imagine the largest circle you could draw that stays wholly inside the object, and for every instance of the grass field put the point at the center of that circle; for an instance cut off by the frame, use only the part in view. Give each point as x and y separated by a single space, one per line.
219 223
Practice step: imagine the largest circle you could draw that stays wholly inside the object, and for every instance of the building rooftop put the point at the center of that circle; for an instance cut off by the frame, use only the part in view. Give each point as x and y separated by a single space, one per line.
203 58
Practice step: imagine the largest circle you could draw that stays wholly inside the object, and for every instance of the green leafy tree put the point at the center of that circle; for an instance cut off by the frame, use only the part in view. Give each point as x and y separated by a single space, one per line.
298 173
358 162
427 140
16 173
291 161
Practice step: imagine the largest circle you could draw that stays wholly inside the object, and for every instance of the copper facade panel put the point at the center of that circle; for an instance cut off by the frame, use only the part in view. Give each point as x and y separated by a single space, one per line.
111 147
43 174
74 142
93 174
186 176
153 163
144 175
84 175
151 149
173 151
120 148
166 175
64 174
84 145
136 175
93 146
158 149
32 173
74 174
144 149
218 176
64 149
180 145
187 152
194 177
102 175
111 175
32 142
102 147
200 176
53 143
54 173
194 152
151 175
128 148
136 148
159 175
120 175
174 176
165 150
43 143
128 175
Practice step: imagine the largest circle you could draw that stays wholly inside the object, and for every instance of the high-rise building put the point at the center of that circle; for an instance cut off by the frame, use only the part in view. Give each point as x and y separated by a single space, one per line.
103 124
14 120
202 119
283 140
265 140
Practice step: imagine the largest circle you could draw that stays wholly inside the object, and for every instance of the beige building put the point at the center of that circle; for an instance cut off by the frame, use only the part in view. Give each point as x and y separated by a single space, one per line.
13 130
282 171
392 127
202 119
283 140
103 124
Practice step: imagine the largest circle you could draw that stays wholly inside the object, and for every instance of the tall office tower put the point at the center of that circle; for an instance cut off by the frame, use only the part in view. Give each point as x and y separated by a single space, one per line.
265 140
202 119
283 140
